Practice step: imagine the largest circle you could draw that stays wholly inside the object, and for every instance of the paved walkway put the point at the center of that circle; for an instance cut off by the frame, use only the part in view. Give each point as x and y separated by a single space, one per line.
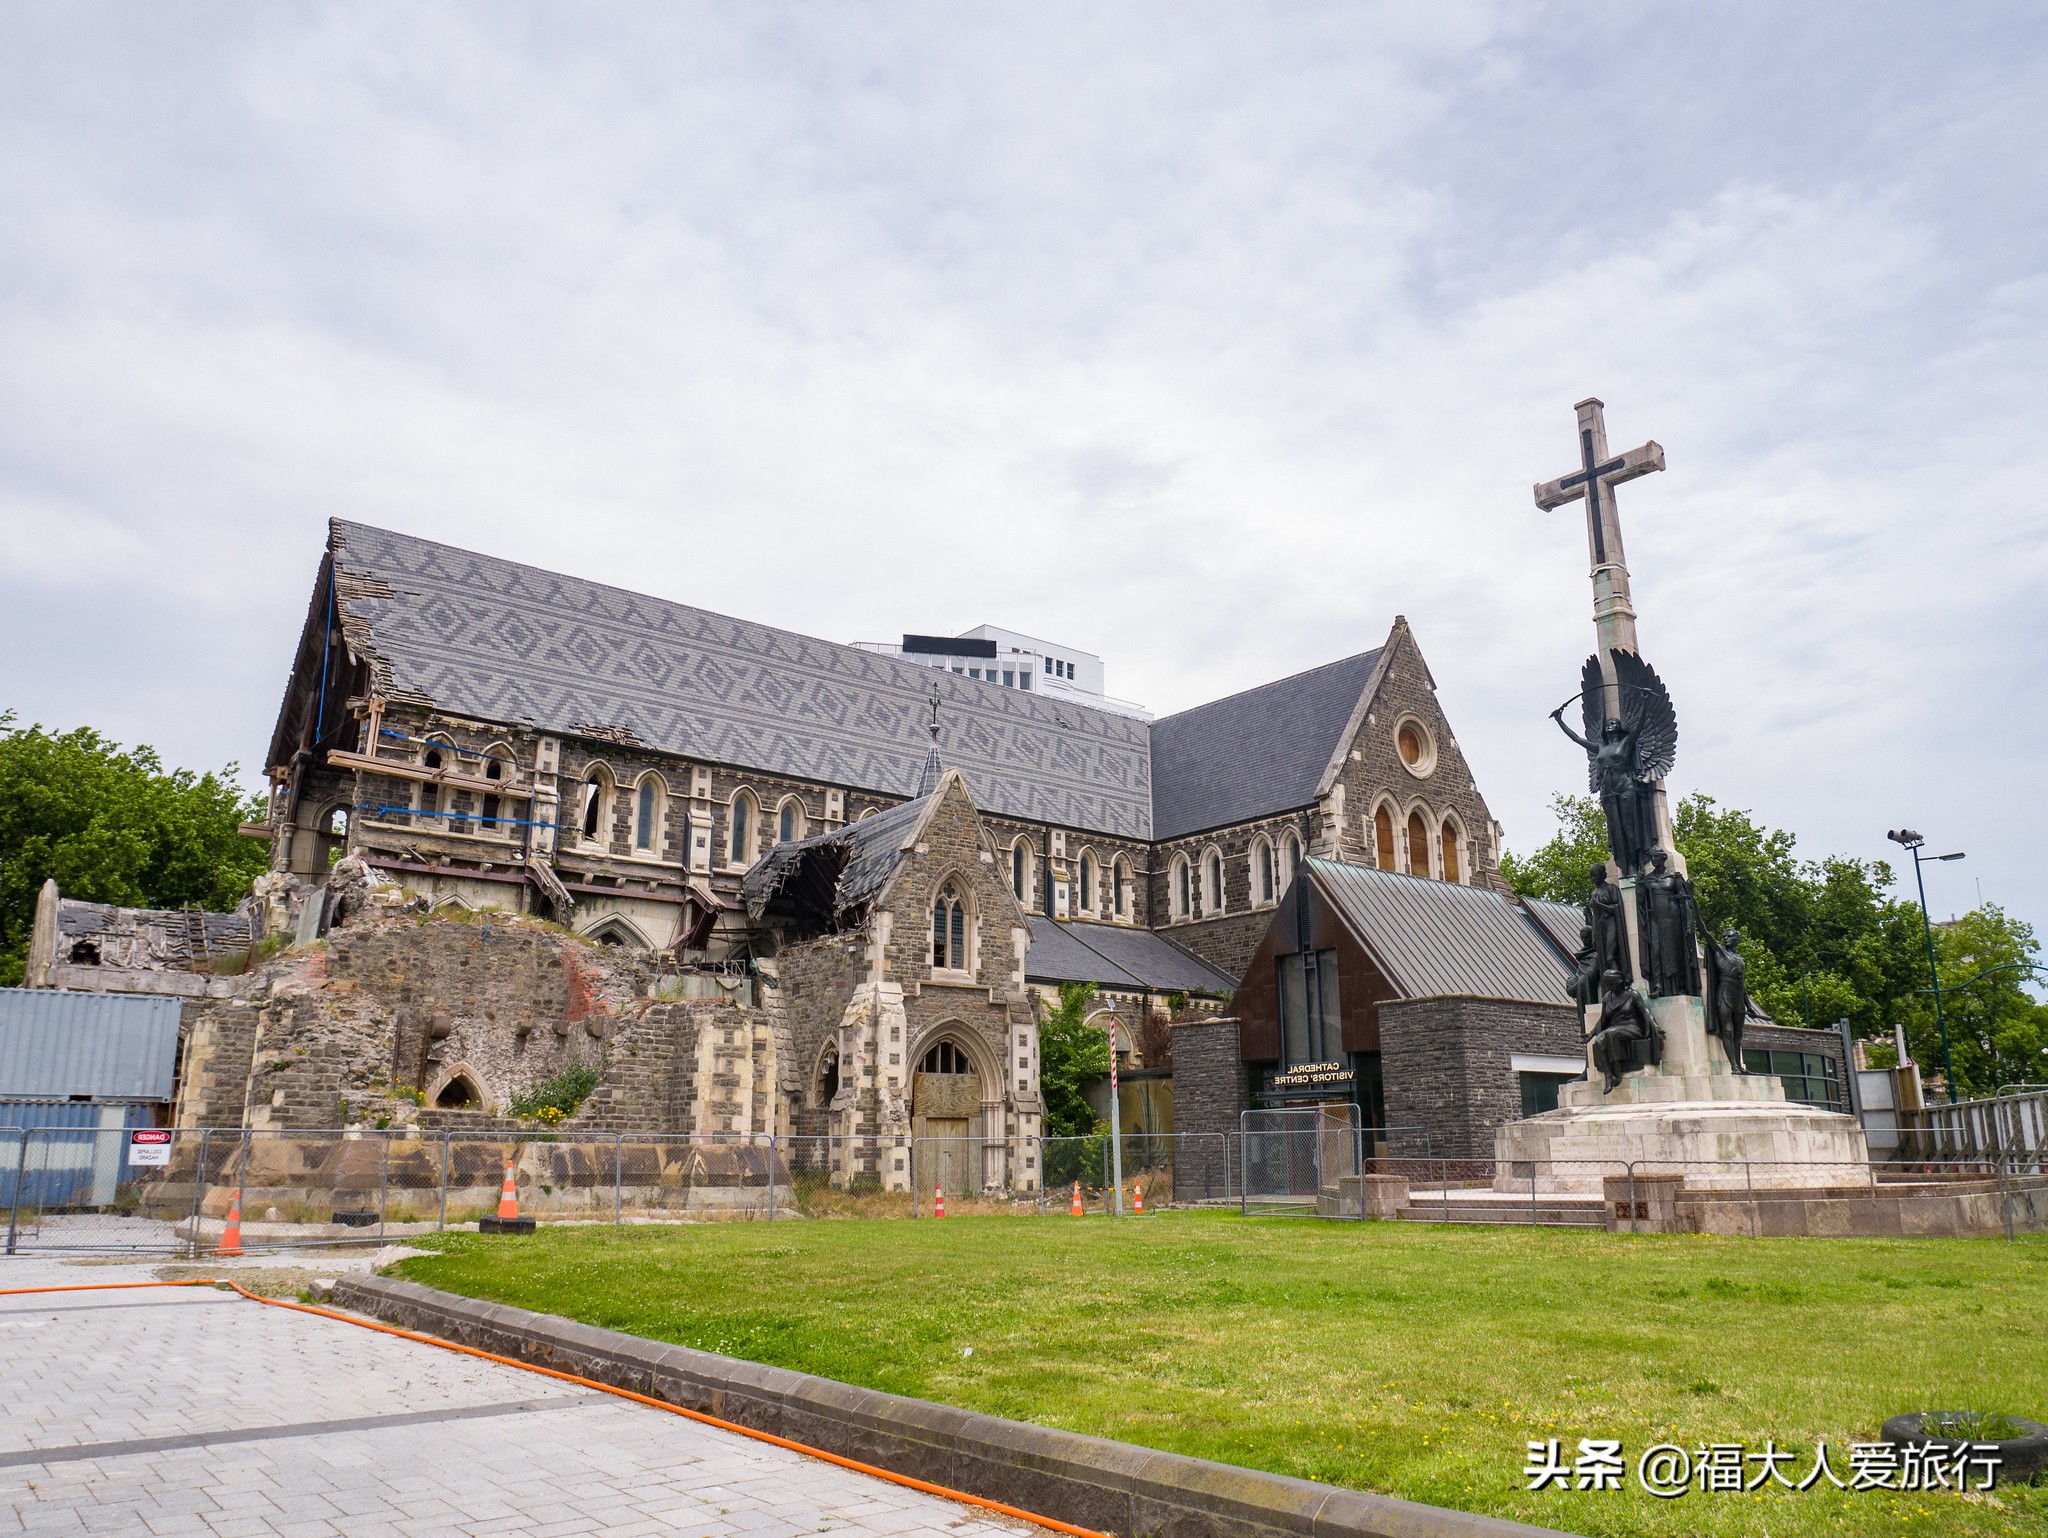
188 1411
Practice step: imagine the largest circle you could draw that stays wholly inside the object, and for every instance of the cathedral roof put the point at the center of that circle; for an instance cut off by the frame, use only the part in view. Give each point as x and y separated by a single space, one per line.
1256 753
478 636
475 635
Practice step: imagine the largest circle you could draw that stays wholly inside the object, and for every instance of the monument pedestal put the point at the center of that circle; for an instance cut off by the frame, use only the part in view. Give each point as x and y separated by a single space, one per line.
1691 1116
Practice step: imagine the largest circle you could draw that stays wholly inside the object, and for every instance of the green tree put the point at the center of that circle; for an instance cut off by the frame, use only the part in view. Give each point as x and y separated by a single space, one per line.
1560 871
112 825
1071 1055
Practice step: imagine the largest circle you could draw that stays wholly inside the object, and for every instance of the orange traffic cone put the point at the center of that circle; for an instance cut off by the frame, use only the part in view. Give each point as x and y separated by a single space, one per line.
1138 1197
231 1234
1079 1211
508 1198
938 1201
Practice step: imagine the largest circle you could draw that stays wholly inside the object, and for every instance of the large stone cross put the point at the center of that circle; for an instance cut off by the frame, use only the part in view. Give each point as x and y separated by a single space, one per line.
1594 482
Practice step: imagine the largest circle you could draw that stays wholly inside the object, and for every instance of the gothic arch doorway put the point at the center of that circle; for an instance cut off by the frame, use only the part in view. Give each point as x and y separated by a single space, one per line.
945 1113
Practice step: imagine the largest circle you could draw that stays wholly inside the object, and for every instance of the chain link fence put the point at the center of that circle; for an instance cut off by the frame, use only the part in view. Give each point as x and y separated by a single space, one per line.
170 1190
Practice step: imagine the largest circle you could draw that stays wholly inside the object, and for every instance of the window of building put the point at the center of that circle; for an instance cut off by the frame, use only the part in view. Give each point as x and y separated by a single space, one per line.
1020 871
1024 681
591 817
974 672
1309 1036
1418 845
1212 882
1293 857
944 1057
337 823
1120 882
1417 749
1009 678
1048 664
1262 870
741 832
789 822
493 770
1088 879
1539 1091
647 818
1183 888
431 759
1809 1077
1450 843
949 930
489 819
1383 839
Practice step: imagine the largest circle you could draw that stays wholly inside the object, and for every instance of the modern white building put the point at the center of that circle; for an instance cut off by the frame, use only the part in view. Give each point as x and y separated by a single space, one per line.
1013 661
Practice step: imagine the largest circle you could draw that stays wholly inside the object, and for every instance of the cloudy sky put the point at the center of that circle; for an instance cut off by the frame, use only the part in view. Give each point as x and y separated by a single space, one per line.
1207 337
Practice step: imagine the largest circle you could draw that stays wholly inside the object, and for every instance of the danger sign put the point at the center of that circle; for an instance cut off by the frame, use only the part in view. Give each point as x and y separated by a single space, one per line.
149 1145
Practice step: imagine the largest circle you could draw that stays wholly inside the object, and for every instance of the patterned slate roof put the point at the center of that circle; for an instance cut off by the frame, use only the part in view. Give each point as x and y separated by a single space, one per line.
1433 938
1117 957
478 636
1252 754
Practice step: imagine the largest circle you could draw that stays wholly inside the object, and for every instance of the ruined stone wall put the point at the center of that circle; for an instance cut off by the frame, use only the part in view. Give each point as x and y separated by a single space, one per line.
817 979
372 1024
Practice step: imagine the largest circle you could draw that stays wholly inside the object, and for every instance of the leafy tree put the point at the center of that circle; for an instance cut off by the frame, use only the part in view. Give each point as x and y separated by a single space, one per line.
1561 870
1071 1054
1826 940
112 825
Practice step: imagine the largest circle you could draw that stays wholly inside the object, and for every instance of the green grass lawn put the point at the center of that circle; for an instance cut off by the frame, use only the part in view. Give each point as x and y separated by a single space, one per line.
1411 1360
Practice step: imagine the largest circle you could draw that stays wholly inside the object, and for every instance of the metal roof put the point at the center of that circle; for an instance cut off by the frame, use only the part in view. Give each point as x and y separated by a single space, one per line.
1253 754
1433 938
1561 922
1117 956
111 1046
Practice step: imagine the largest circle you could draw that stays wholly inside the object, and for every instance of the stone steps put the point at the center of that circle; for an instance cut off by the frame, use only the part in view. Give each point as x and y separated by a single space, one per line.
1549 1212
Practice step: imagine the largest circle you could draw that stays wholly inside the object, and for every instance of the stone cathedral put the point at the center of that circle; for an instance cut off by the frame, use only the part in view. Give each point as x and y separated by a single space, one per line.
833 885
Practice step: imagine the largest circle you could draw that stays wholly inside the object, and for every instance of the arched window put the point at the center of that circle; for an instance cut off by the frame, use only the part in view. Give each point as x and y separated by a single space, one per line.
647 817
789 821
1183 896
944 1057
1418 845
1020 871
1088 881
949 930
591 816
1120 883
337 823
740 835
458 1094
1383 839
1450 843
1212 882
1293 857
1263 876
431 759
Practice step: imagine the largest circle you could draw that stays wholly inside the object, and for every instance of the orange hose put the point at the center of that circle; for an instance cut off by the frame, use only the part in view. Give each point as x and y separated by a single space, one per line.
869 1469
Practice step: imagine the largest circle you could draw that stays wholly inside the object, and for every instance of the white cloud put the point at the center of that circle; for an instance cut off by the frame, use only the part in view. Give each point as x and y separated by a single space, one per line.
1207 337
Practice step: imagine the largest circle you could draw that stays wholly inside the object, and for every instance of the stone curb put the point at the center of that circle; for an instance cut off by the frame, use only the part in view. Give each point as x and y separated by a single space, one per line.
1089 1481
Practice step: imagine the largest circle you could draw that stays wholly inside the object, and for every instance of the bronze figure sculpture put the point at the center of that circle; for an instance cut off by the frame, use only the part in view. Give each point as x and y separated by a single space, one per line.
1668 914
1625 1039
1609 924
1727 994
1626 754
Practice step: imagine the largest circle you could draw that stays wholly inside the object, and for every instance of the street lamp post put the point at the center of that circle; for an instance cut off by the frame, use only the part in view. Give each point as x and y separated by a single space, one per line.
1906 838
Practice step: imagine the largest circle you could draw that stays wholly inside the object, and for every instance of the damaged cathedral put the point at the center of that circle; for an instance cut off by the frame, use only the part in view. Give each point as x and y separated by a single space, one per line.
764 882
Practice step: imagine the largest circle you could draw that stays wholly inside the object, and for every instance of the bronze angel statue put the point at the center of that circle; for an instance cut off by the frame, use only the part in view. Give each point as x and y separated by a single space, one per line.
1626 754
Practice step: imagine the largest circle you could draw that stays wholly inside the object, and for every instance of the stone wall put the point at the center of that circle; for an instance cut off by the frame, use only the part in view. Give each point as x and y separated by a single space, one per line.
1445 1066
371 1025
1209 1086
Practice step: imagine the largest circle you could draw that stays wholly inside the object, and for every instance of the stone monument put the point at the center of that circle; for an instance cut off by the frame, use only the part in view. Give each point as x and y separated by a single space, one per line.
1665 1087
